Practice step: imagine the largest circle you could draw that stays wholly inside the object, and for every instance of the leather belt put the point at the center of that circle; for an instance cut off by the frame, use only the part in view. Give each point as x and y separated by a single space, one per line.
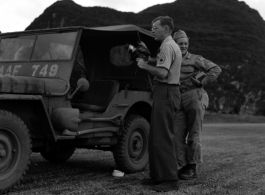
162 83
186 88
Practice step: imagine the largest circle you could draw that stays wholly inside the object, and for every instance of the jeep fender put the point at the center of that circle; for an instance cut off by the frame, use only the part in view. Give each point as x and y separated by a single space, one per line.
132 102
32 110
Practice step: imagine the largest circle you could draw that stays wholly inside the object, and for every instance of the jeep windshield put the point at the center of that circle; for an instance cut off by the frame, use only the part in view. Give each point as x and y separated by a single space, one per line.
56 46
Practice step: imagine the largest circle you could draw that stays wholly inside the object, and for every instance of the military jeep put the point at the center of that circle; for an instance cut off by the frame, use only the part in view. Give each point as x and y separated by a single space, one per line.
75 87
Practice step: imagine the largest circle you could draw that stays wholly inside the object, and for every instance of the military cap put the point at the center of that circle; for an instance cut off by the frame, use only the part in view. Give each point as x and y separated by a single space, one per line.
180 34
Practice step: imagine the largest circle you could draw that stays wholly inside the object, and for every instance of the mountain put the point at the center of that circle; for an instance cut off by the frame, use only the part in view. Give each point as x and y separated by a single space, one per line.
227 32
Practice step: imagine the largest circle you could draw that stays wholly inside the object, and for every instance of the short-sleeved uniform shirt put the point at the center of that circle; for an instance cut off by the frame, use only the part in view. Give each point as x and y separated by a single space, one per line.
169 57
194 64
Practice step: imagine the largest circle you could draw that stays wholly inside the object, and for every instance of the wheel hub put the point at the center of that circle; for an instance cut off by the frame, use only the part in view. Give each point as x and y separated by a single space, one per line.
2 152
5 151
136 144
8 153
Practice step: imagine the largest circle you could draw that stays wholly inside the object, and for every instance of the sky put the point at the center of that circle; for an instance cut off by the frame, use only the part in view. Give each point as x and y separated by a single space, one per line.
16 15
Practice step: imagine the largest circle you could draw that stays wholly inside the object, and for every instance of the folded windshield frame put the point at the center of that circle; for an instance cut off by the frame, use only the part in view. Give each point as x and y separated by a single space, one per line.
43 47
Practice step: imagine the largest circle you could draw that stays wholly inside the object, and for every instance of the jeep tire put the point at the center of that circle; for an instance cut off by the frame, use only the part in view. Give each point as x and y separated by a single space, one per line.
131 151
15 150
59 155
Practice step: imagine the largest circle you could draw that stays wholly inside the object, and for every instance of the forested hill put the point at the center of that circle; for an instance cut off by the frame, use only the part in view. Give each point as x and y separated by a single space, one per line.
227 32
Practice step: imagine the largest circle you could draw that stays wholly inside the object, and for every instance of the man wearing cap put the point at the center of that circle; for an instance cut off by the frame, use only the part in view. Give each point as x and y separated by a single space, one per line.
163 164
196 72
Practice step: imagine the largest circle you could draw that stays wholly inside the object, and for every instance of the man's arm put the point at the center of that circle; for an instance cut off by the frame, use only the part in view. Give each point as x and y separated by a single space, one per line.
211 69
156 71
152 61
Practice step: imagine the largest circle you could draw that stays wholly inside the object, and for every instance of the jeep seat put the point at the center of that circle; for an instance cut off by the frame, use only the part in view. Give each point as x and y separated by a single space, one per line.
98 96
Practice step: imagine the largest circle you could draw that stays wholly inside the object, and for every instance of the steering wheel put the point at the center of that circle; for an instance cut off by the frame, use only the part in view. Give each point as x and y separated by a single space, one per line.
83 67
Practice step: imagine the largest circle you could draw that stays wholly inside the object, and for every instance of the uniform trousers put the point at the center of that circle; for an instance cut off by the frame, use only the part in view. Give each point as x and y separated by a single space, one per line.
163 164
189 120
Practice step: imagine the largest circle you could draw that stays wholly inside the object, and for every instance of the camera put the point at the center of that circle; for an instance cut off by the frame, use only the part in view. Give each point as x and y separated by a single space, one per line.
138 52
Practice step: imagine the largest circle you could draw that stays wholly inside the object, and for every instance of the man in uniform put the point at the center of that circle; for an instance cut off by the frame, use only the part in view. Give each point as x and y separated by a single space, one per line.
166 100
196 72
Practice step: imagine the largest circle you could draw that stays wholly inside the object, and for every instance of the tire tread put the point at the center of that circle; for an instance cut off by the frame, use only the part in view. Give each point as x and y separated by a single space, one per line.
119 151
14 117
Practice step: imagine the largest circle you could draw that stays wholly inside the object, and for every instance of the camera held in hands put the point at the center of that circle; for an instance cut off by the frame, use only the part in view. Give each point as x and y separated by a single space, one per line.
138 52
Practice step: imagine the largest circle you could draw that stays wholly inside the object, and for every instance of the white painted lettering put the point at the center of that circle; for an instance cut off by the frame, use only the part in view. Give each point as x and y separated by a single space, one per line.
2 70
43 71
8 71
53 70
15 70
35 67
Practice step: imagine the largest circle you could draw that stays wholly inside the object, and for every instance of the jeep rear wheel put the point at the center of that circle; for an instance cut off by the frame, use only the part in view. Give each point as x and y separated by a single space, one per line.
131 151
15 150
58 156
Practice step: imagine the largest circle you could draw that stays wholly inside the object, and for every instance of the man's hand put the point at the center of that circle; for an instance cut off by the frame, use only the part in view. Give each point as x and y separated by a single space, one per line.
196 82
141 63
156 71
142 44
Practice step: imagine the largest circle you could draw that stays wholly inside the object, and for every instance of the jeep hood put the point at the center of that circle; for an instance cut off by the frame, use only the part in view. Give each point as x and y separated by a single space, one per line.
31 85
22 85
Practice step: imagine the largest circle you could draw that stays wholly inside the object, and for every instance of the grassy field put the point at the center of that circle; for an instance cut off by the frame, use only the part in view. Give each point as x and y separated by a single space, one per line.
230 118
234 164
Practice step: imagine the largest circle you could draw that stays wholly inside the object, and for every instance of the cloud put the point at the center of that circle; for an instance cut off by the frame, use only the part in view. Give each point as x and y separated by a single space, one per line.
258 5
17 15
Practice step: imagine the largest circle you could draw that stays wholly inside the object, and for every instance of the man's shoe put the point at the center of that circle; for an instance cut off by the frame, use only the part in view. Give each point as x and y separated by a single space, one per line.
182 170
189 173
150 181
166 186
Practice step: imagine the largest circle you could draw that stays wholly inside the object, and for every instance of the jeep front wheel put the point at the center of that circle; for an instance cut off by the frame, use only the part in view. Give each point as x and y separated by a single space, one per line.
59 155
15 150
131 151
